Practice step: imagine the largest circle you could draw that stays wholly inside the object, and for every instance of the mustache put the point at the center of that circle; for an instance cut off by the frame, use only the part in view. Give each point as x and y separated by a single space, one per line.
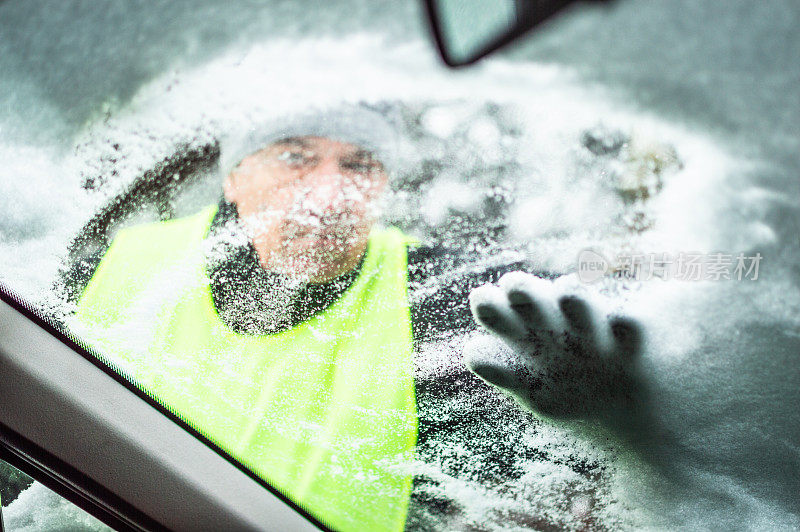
329 224
305 216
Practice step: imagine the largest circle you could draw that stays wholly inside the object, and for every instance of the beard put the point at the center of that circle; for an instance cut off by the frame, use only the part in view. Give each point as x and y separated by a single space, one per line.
255 300
307 244
315 257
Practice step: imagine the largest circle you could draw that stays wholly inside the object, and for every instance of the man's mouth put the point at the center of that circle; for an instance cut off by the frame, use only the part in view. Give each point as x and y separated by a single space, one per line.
332 236
294 231
318 227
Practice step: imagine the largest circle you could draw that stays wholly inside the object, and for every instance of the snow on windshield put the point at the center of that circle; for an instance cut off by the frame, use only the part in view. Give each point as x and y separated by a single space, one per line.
510 162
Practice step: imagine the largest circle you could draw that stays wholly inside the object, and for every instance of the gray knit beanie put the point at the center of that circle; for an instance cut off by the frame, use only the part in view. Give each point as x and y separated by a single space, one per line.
353 123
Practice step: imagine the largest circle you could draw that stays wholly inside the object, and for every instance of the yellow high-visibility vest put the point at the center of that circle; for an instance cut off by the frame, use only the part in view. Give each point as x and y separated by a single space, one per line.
324 411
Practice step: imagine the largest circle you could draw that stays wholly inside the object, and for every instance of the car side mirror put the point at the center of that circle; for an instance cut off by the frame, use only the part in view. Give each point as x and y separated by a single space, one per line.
467 30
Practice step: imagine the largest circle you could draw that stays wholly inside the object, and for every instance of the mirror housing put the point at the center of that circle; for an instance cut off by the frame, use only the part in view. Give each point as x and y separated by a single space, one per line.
467 30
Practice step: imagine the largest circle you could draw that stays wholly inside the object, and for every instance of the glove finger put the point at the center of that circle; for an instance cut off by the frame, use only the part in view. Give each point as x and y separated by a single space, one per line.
490 308
627 334
530 298
581 320
578 315
492 361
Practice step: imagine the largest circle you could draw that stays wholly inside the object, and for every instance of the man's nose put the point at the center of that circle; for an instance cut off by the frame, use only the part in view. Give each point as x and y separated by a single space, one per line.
327 166
325 185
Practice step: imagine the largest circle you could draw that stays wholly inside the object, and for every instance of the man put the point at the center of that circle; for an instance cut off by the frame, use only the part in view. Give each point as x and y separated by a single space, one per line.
282 324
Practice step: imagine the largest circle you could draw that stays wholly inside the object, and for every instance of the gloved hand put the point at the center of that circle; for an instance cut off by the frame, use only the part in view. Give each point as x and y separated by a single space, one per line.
554 352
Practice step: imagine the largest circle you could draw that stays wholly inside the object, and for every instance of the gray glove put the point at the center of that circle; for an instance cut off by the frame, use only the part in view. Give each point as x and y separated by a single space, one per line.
554 352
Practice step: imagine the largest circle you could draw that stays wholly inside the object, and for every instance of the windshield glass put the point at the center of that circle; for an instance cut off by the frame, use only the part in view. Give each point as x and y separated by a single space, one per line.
271 218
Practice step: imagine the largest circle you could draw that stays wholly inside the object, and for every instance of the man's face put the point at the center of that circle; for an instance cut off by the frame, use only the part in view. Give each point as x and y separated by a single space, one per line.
309 204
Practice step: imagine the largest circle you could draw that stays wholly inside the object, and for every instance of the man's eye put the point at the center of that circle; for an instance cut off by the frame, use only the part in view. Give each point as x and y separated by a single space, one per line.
361 167
293 157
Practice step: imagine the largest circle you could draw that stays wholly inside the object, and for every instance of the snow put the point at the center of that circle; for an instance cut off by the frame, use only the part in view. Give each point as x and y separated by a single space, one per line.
39 508
484 165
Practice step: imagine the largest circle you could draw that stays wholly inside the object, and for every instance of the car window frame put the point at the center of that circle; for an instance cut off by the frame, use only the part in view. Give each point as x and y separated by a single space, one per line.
109 412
